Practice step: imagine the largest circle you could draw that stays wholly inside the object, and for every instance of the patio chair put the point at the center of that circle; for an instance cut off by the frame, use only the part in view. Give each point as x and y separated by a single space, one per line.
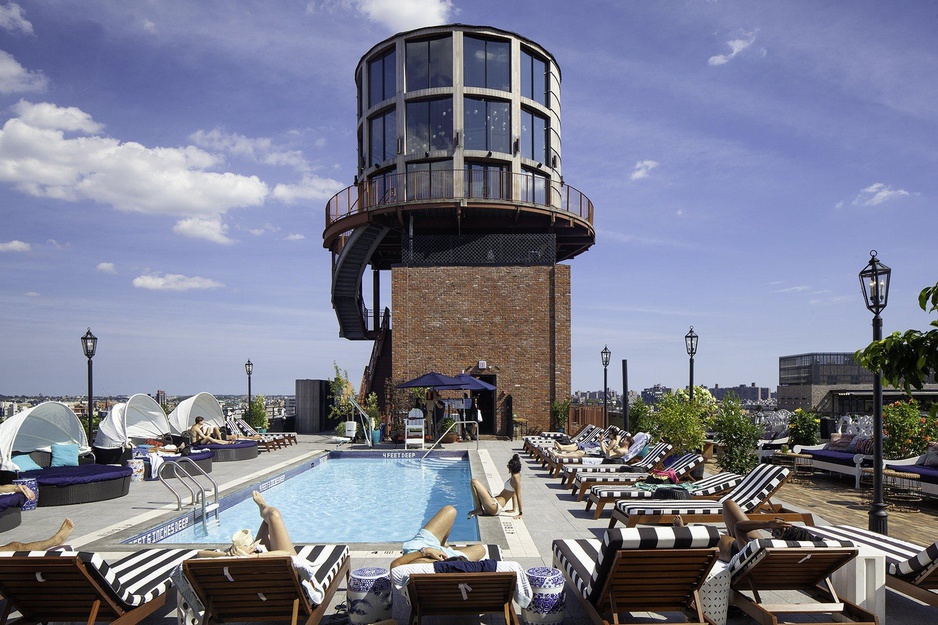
630 463
532 442
545 453
554 461
709 486
648 569
283 438
765 565
585 477
752 495
267 443
910 569
271 588
67 586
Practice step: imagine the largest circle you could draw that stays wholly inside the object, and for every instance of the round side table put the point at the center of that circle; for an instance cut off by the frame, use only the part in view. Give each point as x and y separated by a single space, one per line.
369 595
547 606
32 484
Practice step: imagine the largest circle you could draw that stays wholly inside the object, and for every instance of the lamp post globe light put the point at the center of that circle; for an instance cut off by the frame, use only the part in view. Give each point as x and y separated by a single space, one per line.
874 283
249 369
606 355
690 341
89 343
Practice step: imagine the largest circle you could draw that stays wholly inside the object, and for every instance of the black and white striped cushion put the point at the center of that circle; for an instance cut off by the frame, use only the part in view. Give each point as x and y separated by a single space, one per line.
587 562
134 580
325 563
708 486
751 554
756 486
655 455
669 507
903 559
714 484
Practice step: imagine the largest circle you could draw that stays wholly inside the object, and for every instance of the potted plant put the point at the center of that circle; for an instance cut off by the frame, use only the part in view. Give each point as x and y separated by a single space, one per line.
737 435
681 424
451 436
559 414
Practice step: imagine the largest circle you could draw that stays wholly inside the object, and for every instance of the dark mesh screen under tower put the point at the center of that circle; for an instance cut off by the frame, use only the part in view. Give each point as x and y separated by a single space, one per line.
487 249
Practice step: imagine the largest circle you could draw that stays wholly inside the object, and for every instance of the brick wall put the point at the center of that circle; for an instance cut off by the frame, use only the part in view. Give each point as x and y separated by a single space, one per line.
517 319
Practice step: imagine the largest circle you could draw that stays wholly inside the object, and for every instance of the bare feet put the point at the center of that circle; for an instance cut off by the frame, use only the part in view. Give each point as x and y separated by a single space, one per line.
27 491
259 499
64 532
677 521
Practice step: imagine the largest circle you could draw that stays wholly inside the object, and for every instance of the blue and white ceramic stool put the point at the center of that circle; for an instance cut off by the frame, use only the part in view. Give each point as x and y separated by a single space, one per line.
369 595
547 605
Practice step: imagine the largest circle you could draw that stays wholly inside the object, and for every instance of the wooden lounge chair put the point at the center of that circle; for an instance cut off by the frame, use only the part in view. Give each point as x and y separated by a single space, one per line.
753 495
530 443
707 487
648 569
554 461
546 454
271 588
241 429
910 569
586 479
68 586
806 566
652 460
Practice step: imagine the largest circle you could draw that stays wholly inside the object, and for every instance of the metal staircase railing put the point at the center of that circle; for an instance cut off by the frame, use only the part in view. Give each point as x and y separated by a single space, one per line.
196 489
455 423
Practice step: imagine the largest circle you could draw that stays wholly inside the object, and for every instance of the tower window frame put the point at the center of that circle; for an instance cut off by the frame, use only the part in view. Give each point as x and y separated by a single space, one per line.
429 125
382 78
428 63
494 133
487 63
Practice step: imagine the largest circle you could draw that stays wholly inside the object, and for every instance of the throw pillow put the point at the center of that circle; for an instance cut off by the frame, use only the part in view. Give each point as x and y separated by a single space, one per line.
864 445
841 443
931 455
25 463
64 455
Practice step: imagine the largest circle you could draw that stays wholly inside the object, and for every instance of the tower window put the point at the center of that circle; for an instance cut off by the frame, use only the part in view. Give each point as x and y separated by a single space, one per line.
533 77
488 180
534 136
382 78
487 63
429 63
382 132
487 125
430 180
429 126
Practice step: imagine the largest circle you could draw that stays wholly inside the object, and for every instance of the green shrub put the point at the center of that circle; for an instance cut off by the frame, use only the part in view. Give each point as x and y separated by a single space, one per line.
641 419
737 435
804 428
905 430
681 423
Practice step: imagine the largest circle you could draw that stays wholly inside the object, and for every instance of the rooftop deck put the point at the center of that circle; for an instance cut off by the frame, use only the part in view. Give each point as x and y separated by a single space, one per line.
549 512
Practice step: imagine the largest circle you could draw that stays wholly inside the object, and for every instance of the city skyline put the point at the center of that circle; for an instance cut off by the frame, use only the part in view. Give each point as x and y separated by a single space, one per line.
164 169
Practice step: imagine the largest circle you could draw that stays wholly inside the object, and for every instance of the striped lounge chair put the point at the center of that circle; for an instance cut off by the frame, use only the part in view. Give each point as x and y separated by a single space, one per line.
752 495
295 589
647 569
555 460
80 586
603 494
577 476
910 569
766 565
546 439
589 443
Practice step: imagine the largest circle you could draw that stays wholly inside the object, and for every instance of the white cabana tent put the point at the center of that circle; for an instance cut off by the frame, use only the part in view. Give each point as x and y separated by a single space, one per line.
139 417
39 427
201 405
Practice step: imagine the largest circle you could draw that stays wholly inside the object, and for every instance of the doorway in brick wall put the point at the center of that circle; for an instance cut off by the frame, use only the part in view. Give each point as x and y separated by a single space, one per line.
485 401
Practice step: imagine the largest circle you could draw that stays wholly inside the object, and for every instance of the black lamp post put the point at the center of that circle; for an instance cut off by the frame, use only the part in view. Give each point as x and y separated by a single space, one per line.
874 282
89 343
249 369
606 355
690 341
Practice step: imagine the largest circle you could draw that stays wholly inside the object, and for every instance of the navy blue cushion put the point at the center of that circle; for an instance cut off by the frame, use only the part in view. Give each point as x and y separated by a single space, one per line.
12 500
926 474
835 457
84 474
232 445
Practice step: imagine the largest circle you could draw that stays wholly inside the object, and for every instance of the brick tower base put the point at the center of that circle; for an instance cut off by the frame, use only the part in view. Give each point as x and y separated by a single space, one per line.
515 321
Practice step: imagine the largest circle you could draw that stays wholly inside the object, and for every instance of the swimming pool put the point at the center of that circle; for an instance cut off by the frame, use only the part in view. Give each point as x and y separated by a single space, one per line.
348 498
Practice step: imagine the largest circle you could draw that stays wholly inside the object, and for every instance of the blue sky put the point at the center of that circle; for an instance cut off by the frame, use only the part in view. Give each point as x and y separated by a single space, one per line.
164 167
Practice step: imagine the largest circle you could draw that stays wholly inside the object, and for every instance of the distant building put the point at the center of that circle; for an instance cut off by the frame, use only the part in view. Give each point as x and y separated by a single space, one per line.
833 383
650 396
161 398
747 394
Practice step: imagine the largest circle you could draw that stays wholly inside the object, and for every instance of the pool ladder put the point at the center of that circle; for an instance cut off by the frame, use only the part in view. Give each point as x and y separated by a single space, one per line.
448 430
196 489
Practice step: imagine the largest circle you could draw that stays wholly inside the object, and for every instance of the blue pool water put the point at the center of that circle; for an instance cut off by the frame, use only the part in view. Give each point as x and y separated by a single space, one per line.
355 500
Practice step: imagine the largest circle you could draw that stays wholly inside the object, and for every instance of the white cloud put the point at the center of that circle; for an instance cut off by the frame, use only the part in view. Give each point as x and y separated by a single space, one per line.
258 149
174 282
794 289
150 27
736 47
32 294
48 116
11 19
14 78
312 188
37 159
262 230
210 229
397 15
57 245
878 193
294 236
106 268
642 168
15 246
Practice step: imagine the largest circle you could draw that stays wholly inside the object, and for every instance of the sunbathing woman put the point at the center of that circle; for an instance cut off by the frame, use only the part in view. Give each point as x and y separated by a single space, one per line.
741 529
488 504
55 540
429 545
272 538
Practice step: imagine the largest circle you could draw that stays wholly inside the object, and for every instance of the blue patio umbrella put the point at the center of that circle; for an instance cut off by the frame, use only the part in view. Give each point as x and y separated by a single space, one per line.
473 384
433 380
